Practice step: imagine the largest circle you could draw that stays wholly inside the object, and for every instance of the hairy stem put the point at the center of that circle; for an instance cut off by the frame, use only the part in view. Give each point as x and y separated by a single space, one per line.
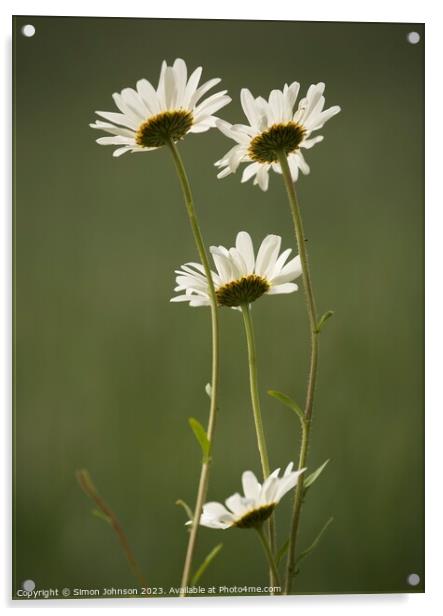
204 475
312 315
255 399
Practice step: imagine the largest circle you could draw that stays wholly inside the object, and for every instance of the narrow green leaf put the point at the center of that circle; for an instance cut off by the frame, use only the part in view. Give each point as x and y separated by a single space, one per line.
282 551
201 436
315 475
314 543
101 515
289 402
327 315
186 507
205 564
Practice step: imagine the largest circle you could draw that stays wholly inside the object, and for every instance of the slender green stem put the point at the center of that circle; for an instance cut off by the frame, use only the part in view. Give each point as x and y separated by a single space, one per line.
269 555
204 475
253 384
312 315
255 399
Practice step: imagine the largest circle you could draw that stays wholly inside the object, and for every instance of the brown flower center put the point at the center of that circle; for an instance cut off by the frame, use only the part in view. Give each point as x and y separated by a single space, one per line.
255 517
243 291
285 138
159 129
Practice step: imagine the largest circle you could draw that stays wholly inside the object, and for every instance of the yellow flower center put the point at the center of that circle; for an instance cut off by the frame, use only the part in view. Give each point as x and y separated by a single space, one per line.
159 129
243 291
285 138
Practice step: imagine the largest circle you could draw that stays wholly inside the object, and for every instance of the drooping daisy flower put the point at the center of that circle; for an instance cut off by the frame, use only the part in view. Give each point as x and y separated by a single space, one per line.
241 277
149 118
274 127
257 504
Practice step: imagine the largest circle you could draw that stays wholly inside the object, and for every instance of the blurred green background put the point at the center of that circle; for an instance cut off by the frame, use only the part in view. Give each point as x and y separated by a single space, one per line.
108 371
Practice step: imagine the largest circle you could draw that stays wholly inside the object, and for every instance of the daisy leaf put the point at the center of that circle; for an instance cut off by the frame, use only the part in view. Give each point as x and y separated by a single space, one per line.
282 551
327 315
205 564
315 542
186 507
201 436
315 475
289 402
99 514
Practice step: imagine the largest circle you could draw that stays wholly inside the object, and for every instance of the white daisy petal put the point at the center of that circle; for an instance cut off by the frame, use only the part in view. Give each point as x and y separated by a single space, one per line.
257 504
251 486
118 118
287 287
174 94
264 117
250 171
267 254
233 267
245 247
290 271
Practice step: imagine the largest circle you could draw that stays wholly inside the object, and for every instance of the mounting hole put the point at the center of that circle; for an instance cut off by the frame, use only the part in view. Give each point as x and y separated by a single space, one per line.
413 38
413 579
28 30
28 585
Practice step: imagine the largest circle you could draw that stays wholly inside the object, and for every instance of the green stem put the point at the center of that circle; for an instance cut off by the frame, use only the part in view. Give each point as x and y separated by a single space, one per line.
312 315
253 384
255 399
204 475
269 555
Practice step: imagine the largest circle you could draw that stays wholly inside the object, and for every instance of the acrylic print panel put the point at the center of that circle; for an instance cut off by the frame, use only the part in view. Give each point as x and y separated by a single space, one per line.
108 371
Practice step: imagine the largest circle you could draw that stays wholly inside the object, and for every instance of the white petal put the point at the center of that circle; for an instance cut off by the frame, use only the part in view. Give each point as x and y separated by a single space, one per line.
290 271
119 118
191 87
267 254
202 90
222 263
113 130
116 140
135 117
245 247
119 151
236 504
309 143
132 99
287 483
149 96
280 262
252 112
262 177
287 287
181 76
251 486
250 171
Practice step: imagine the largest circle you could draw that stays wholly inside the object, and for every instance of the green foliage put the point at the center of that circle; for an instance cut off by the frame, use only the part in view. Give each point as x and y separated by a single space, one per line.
205 564
289 402
282 551
327 315
186 507
315 475
201 436
99 514
314 543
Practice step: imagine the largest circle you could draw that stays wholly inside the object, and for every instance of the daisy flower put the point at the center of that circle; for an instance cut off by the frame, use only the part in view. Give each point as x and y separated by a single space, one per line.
241 278
257 504
274 128
148 118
